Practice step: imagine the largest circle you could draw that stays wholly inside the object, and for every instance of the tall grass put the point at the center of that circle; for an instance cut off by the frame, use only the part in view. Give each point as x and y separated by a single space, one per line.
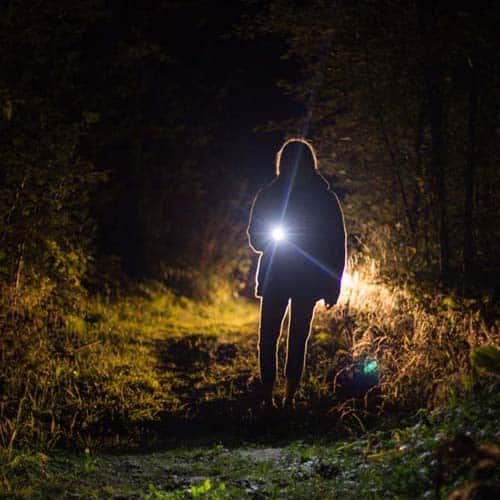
89 373
93 372
422 343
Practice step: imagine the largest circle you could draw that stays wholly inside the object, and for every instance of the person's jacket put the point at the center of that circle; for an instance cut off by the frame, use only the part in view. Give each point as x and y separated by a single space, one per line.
311 258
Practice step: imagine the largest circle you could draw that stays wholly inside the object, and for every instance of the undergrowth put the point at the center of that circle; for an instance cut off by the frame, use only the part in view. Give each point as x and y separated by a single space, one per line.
443 453
97 371
151 367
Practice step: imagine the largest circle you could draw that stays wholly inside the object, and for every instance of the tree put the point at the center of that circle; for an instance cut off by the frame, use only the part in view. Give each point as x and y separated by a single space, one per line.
383 93
45 227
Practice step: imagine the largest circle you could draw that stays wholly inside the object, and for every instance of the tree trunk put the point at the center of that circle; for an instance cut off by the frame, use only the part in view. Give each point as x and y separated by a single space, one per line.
469 183
437 147
433 74
398 180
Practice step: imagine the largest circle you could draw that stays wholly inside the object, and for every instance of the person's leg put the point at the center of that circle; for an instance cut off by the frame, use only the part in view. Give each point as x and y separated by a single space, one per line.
272 311
301 313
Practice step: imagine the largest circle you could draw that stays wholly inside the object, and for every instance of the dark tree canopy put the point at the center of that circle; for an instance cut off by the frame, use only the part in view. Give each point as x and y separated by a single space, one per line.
401 99
126 132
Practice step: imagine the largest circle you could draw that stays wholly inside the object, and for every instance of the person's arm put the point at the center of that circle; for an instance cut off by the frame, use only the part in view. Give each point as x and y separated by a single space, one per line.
340 244
256 231
338 249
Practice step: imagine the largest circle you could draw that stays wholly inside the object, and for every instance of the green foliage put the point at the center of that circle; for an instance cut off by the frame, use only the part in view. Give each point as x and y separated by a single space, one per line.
487 358
46 183
87 108
100 372
89 372
430 454
97 372
201 490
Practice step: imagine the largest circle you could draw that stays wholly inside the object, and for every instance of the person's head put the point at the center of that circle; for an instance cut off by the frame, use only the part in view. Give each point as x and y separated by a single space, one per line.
296 158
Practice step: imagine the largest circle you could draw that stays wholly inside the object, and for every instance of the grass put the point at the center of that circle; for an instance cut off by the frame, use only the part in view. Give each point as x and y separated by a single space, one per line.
94 375
151 370
427 456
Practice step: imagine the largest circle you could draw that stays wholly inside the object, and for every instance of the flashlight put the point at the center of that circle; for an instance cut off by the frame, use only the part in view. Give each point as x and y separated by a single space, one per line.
278 233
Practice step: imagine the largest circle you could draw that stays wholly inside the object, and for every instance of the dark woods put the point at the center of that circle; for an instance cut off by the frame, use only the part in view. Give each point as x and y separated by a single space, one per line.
403 100
111 146
121 134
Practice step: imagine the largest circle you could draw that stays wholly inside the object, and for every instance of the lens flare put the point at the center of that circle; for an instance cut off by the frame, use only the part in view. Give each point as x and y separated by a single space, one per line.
278 233
370 367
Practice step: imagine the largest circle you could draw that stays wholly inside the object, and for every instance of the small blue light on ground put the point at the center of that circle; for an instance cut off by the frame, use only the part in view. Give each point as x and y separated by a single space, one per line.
370 367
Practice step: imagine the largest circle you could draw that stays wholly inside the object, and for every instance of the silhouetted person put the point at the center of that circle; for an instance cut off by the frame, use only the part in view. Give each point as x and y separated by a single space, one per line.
297 226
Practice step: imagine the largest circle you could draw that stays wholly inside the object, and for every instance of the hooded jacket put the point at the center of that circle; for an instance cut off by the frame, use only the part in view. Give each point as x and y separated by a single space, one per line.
311 258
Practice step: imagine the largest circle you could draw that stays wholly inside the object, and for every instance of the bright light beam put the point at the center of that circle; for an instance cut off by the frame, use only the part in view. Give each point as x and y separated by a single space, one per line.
315 261
278 233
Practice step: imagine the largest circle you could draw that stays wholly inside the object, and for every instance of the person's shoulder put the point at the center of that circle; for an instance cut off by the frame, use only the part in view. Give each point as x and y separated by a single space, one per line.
322 185
266 193
333 195
320 182
269 189
275 183
334 200
329 194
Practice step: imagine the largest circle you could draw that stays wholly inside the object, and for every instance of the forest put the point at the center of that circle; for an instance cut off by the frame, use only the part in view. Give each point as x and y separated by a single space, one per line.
134 137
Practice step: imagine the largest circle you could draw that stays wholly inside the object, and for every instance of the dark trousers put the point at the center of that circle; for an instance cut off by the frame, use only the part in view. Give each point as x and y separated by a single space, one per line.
272 312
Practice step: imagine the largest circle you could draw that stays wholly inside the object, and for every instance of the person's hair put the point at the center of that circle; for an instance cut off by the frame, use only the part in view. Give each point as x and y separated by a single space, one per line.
295 151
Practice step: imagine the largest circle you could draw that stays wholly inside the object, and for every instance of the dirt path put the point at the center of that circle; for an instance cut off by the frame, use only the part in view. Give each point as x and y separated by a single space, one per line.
415 460
215 472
